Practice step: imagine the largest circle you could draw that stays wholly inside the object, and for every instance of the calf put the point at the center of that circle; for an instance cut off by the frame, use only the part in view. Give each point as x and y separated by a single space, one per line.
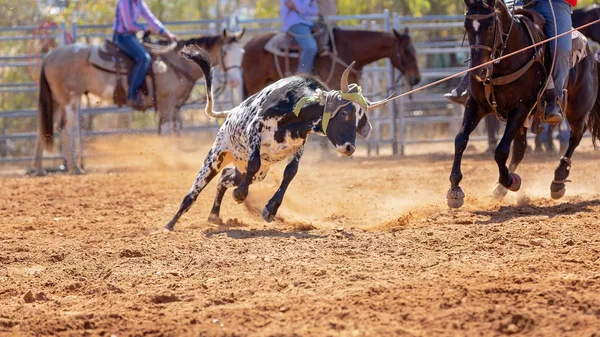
270 126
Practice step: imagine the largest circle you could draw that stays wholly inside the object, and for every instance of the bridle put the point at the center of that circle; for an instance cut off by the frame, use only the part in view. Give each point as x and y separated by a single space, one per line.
500 38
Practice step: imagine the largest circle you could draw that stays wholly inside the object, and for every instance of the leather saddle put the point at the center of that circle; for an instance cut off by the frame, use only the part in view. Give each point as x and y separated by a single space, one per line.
110 58
579 48
284 44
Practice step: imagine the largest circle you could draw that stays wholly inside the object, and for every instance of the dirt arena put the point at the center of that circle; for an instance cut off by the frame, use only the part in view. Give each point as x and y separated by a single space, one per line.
361 247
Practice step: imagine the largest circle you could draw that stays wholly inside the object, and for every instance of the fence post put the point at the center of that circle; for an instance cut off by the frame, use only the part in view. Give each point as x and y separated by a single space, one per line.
399 113
390 89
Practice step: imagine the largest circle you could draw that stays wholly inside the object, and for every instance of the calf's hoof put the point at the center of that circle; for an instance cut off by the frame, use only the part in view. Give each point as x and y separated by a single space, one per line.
268 215
214 219
455 197
239 196
557 190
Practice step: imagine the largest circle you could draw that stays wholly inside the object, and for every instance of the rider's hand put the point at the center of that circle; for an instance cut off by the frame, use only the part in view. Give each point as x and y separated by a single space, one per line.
172 36
290 4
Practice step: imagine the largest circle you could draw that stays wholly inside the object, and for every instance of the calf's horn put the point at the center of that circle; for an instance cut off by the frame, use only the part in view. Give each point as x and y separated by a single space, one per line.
344 81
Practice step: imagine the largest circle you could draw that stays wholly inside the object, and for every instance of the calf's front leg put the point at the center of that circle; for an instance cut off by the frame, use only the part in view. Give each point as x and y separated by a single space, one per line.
291 169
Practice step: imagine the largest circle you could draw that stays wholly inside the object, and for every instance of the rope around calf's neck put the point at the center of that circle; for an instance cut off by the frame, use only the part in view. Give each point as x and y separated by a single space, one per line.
492 61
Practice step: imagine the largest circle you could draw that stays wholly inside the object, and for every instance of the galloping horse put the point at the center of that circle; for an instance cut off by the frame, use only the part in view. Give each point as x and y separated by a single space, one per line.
508 89
360 46
67 73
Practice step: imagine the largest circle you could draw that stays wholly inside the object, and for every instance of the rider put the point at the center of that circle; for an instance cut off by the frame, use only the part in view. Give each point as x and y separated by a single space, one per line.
125 27
554 90
295 17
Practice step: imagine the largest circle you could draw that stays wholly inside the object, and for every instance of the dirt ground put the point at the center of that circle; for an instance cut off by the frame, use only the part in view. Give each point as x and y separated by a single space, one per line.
361 247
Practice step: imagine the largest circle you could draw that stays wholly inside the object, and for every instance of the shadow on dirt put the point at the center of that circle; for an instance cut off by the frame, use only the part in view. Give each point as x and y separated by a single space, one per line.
266 233
505 213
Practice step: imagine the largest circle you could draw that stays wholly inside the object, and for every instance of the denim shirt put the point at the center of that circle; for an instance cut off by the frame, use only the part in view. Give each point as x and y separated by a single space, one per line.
304 10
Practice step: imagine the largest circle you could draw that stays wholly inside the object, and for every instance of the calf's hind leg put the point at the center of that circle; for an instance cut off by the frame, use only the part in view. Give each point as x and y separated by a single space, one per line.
229 178
216 159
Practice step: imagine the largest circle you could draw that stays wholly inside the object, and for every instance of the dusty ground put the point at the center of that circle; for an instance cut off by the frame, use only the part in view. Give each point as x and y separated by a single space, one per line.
362 247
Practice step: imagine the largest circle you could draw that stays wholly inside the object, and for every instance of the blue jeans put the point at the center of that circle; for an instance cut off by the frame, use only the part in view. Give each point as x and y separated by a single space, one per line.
562 46
303 34
134 49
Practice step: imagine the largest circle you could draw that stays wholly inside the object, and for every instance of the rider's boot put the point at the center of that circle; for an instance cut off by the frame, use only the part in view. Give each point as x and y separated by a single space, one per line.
553 114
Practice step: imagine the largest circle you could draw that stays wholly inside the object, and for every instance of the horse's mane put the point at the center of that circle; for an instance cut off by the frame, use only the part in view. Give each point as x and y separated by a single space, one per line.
205 42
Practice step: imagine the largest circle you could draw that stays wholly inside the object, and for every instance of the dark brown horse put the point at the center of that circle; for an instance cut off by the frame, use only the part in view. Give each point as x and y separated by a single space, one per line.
360 46
586 15
492 30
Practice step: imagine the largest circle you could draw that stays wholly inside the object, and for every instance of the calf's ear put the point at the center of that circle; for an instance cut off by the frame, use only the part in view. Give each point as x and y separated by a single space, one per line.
364 126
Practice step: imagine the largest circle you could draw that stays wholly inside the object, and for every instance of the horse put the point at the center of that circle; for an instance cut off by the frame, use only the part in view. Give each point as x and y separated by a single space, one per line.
505 88
67 73
586 15
360 46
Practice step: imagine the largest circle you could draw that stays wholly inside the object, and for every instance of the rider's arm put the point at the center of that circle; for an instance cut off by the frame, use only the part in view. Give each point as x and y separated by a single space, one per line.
306 7
125 9
154 24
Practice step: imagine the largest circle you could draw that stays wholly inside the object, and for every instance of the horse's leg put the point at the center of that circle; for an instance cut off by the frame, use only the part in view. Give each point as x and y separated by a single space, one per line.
519 148
216 159
492 125
229 178
557 188
472 117
68 138
507 179
38 157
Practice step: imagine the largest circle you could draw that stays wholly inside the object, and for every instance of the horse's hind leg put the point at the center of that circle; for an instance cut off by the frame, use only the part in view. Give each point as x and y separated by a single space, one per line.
229 178
38 157
67 136
557 188
508 179
216 159
519 148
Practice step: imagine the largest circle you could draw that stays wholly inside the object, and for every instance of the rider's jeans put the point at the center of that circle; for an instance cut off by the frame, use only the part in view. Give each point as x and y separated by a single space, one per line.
134 49
303 34
562 12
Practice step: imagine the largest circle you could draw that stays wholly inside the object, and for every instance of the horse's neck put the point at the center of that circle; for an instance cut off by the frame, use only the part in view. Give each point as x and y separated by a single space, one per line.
364 47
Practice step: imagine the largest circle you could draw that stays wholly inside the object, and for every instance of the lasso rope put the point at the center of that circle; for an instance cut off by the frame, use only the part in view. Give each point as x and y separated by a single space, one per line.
492 61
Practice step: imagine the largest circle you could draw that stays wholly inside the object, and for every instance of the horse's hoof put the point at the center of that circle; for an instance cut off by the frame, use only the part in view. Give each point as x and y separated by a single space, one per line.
267 215
515 182
78 172
499 193
455 197
40 173
214 219
557 190
238 196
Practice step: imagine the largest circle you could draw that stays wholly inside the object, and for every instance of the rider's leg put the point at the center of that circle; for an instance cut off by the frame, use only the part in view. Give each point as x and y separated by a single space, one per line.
134 49
303 34
459 94
562 48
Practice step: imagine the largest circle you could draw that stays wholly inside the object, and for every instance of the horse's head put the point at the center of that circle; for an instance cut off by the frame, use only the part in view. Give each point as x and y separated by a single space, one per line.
484 31
404 57
231 56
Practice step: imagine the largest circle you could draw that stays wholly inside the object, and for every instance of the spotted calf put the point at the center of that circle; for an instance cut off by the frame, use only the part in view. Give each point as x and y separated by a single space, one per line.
270 126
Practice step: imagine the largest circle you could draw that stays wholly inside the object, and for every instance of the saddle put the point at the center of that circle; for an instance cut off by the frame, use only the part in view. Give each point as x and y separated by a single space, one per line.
109 57
284 44
534 22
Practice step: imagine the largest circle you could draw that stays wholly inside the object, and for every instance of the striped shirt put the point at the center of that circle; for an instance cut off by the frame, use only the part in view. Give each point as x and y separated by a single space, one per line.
128 13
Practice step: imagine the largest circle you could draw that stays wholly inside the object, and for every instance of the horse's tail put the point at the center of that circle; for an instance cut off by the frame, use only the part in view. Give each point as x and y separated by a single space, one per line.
594 119
201 57
45 112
